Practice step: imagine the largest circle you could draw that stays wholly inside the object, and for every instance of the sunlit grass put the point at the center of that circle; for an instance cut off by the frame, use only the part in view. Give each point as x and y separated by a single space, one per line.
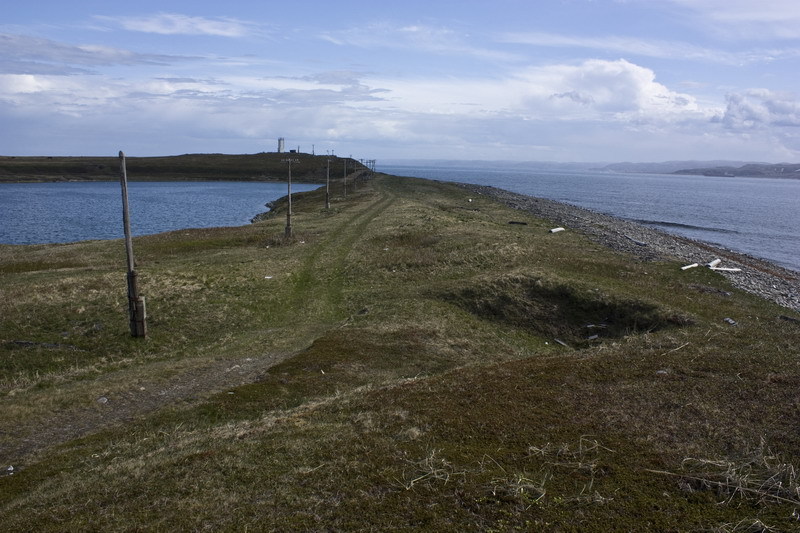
394 365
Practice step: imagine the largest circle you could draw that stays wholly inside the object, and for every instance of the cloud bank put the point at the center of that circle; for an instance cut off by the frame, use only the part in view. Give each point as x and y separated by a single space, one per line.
418 88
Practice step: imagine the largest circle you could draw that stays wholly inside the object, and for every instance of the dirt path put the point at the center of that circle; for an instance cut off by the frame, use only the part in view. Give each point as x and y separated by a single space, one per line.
195 381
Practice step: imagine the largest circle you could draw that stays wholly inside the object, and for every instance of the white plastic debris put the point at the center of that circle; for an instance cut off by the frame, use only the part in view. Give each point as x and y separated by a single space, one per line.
687 267
730 321
714 263
556 230
267 277
725 269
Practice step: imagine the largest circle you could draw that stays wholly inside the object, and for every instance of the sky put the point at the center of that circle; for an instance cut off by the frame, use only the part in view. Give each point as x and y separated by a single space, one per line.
518 80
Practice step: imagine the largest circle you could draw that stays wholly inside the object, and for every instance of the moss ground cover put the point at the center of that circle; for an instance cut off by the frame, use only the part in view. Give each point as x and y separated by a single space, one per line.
409 360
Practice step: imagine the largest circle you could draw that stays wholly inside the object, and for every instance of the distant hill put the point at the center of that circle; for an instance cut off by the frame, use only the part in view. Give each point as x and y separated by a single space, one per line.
692 167
267 166
756 170
668 167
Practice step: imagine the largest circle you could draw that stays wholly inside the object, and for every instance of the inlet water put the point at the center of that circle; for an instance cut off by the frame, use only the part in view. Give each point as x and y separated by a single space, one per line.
38 213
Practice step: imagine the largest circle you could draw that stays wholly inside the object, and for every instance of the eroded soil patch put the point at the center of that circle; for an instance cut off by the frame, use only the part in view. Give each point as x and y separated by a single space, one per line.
556 310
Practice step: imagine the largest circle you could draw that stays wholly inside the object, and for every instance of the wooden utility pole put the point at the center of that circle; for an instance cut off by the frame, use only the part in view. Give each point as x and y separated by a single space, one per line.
136 306
344 178
289 210
328 186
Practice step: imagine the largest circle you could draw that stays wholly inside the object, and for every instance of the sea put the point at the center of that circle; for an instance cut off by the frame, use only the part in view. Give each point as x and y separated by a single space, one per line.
756 216
39 213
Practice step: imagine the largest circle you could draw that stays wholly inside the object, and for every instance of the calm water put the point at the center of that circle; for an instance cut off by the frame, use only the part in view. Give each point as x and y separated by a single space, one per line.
36 213
757 216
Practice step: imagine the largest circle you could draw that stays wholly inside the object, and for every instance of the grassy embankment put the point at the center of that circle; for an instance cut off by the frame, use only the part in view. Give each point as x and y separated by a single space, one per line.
266 166
393 367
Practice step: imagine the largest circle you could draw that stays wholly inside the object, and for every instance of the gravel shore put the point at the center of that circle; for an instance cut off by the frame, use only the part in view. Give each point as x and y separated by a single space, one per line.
756 276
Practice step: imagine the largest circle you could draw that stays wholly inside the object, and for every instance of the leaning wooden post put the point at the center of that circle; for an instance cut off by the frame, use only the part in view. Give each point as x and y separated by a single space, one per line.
136 306
344 178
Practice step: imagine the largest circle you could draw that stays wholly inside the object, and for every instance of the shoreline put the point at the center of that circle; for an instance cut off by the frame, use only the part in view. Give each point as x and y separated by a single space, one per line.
757 276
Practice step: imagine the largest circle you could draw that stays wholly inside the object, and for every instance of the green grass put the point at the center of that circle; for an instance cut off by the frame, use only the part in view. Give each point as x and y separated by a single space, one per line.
265 166
394 366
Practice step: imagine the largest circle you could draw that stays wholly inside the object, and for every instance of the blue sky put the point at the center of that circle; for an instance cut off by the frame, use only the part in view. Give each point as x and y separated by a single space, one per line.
550 80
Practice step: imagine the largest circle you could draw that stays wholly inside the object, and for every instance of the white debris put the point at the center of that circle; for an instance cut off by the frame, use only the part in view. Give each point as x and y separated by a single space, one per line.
556 230
687 267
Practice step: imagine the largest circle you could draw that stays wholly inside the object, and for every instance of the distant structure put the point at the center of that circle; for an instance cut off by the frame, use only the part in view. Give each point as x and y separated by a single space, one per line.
281 142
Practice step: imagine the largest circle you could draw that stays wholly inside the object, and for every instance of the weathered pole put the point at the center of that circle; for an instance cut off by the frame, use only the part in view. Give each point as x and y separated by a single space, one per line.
289 210
328 186
136 305
344 178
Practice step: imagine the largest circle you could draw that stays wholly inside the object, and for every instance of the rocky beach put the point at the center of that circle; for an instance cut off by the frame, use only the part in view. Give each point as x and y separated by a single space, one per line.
756 275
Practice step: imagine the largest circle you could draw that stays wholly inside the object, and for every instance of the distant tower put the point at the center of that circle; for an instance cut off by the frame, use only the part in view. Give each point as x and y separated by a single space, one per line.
281 142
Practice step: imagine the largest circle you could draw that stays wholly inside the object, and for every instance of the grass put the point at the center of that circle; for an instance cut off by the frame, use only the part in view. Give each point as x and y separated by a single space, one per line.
394 366
265 166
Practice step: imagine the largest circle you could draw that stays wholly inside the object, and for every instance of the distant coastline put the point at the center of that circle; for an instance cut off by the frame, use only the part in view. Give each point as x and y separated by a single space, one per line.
717 168
720 169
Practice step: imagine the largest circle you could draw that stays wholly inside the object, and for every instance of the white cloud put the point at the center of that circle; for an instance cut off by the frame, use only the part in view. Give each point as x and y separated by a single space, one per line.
420 38
750 19
32 55
593 90
11 84
177 24
631 46
759 109
627 45
620 88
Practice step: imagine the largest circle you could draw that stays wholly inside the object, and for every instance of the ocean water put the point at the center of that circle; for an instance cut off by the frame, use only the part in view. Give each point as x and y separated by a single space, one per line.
757 216
38 213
